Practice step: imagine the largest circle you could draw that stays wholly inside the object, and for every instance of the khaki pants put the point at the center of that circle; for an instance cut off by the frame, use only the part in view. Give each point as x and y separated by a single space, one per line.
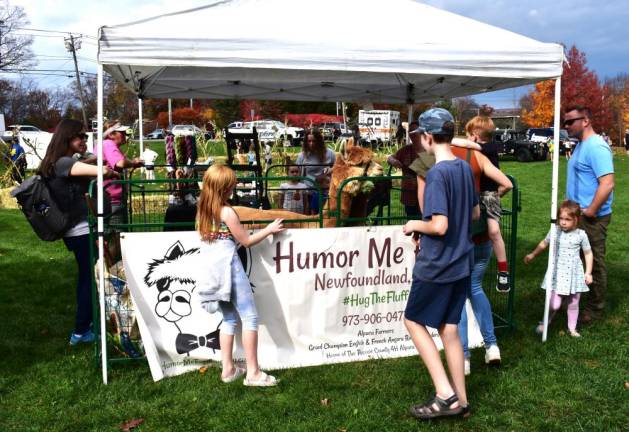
596 229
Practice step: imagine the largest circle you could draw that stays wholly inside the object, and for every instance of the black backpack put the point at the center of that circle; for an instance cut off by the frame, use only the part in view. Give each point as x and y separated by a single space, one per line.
38 205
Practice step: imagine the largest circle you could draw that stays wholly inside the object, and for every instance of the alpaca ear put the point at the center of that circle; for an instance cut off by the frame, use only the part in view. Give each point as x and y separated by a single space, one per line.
343 147
350 143
175 251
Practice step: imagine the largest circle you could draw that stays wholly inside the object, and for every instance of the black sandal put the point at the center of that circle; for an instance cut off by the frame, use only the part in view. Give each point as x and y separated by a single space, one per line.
427 411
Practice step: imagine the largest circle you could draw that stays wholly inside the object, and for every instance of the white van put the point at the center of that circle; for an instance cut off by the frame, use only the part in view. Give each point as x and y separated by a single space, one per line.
378 126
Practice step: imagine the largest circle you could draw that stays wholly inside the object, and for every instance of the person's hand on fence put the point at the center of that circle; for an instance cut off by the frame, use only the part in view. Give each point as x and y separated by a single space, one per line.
137 162
110 174
276 226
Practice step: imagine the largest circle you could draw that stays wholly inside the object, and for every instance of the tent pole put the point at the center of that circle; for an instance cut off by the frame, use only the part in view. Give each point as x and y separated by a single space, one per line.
100 224
170 114
553 206
141 128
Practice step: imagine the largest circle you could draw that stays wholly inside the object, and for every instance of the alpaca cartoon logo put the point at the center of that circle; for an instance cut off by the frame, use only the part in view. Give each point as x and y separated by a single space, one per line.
175 278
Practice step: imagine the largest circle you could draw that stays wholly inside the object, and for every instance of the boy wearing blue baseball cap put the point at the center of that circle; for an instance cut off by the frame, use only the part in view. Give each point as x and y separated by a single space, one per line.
441 276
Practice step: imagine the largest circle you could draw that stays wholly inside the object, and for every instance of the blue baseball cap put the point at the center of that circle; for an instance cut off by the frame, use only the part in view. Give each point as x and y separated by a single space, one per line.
436 121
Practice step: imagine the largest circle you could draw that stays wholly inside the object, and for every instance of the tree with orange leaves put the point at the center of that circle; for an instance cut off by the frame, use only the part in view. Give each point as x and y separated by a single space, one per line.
543 105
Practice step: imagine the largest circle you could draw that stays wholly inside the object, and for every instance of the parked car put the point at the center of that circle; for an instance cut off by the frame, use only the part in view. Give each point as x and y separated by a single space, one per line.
544 134
185 129
516 143
272 130
26 130
157 134
235 125
34 141
332 130
190 130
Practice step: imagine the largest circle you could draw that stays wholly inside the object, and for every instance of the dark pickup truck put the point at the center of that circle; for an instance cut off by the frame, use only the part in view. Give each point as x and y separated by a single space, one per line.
517 144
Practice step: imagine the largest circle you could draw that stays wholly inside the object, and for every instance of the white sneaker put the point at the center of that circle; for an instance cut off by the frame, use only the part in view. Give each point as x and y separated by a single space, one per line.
492 355
466 367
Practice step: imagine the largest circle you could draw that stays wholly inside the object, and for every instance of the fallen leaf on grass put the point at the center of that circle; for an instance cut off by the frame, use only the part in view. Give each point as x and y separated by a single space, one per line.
325 402
627 385
592 363
562 333
130 424
203 369
341 430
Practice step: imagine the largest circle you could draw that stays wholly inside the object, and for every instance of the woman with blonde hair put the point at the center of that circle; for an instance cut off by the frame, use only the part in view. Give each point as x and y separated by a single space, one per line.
218 222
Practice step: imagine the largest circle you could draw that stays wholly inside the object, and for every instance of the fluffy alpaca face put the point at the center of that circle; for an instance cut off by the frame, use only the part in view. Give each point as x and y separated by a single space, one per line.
353 161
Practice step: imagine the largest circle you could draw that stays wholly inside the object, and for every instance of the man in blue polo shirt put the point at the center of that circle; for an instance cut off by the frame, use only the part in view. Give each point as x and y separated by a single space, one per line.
590 182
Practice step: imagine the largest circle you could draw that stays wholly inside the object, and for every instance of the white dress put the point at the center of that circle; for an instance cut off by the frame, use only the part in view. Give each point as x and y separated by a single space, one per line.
569 277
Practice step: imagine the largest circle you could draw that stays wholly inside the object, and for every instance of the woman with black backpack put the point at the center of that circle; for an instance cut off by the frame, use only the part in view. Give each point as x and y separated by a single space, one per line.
68 181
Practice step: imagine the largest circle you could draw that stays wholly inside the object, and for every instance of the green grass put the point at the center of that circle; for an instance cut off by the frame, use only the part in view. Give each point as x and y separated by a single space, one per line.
563 385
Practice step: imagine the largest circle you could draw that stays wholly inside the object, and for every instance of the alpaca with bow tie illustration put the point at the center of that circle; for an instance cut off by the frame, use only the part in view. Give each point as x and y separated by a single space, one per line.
176 276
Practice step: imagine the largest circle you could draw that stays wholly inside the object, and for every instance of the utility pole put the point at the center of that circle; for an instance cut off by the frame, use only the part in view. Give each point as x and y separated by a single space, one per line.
72 45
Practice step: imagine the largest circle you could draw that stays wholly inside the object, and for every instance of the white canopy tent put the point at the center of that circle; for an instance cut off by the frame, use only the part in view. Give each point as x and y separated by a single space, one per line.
398 51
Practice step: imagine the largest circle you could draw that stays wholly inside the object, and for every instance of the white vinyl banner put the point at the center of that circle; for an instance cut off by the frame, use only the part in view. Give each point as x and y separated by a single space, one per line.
323 296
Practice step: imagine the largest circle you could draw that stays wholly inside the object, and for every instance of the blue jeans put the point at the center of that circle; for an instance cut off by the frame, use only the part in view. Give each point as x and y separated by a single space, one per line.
80 246
480 303
241 303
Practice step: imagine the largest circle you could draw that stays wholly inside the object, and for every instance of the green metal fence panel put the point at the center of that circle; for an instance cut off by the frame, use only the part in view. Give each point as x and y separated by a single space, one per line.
148 203
502 303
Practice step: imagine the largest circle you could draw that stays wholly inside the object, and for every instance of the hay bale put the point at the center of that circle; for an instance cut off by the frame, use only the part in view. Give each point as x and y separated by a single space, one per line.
6 200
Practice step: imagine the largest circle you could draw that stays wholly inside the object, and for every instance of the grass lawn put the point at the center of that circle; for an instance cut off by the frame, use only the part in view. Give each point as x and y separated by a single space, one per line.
564 385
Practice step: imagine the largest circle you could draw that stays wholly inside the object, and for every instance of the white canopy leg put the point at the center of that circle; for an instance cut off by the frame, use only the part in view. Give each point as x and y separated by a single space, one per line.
101 225
141 130
553 206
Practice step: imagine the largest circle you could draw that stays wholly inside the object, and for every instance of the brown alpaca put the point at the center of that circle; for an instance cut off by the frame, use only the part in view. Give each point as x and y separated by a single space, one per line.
352 161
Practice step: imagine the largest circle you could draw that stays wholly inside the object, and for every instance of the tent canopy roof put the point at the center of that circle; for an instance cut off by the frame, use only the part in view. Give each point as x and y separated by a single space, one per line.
397 51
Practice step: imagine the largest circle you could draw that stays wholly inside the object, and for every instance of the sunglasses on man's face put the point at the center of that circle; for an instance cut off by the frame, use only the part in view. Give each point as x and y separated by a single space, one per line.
569 122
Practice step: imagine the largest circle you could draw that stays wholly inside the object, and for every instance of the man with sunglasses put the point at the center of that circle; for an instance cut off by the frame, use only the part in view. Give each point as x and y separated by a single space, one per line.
590 182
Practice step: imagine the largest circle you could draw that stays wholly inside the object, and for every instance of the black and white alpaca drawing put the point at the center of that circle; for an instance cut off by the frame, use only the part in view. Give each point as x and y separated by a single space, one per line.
175 276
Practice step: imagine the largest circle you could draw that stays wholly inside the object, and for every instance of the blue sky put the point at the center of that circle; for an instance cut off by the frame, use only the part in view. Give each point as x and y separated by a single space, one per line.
600 28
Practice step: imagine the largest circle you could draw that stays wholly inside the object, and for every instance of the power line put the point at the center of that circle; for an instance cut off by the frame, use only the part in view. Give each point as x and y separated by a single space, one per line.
38 73
57 31
48 70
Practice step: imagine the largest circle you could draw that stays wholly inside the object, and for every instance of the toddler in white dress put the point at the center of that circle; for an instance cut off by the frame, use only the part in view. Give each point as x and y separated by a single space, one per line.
568 280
